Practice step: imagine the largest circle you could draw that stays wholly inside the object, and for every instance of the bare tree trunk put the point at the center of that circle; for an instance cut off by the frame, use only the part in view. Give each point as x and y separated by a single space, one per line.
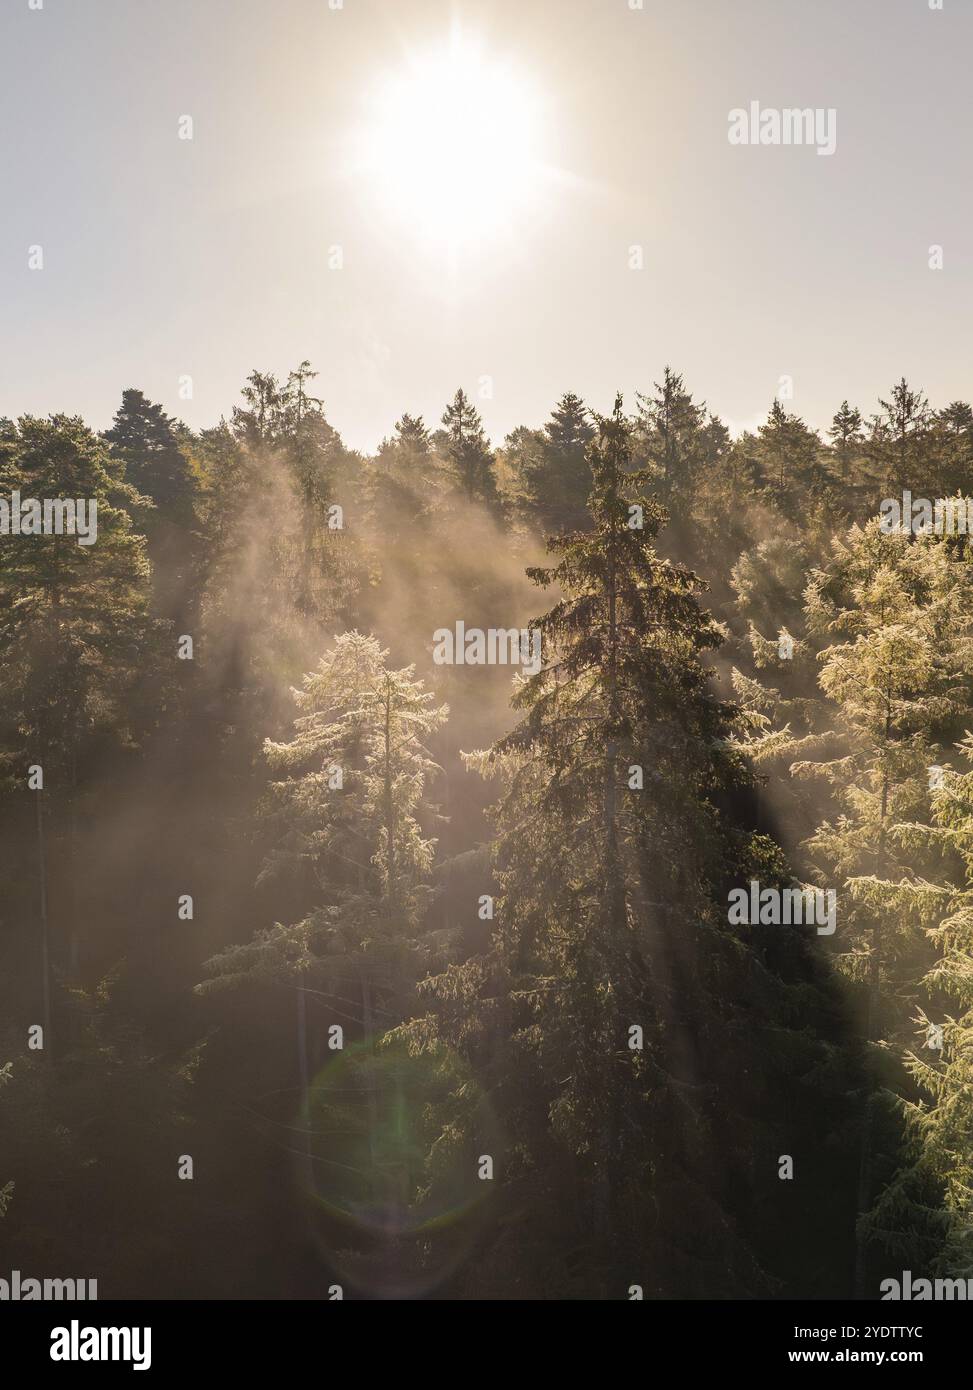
307 1171
72 895
371 1080
45 935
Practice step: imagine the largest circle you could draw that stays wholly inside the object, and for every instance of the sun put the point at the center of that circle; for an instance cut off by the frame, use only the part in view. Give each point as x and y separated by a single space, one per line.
451 146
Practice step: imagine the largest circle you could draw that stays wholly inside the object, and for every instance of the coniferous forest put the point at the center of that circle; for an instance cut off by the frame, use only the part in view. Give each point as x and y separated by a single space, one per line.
357 966
486 677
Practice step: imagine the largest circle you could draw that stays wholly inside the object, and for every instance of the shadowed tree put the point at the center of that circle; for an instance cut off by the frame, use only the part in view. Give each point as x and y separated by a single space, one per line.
601 1015
143 437
348 841
80 648
900 618
554 475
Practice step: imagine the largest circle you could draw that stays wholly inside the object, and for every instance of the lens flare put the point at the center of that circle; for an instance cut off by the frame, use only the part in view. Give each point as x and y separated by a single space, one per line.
394 1140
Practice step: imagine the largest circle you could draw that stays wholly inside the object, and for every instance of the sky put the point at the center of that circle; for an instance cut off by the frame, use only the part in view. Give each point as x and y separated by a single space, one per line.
302 220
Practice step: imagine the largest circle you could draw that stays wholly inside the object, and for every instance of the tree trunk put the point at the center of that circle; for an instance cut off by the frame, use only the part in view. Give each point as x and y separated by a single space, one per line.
45 936
307 1171
865 1157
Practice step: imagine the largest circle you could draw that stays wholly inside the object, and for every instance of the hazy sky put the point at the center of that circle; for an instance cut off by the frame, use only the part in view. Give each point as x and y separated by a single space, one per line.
166 257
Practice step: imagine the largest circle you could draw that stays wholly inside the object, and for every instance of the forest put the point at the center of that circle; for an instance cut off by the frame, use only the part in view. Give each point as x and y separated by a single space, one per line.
335 965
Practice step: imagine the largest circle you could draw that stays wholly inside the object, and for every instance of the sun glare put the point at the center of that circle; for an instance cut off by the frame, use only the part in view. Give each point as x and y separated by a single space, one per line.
452 145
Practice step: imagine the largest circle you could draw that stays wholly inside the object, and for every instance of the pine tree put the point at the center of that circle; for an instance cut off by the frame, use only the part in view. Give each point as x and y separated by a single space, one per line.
259 422
413 434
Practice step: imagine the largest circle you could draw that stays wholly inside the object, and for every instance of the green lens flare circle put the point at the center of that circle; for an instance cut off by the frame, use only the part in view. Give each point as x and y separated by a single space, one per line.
393 1145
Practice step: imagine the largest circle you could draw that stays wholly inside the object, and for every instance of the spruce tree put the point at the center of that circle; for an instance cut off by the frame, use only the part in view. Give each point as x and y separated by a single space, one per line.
601 1017
555 478
672 439
144 438
792 462
403 486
